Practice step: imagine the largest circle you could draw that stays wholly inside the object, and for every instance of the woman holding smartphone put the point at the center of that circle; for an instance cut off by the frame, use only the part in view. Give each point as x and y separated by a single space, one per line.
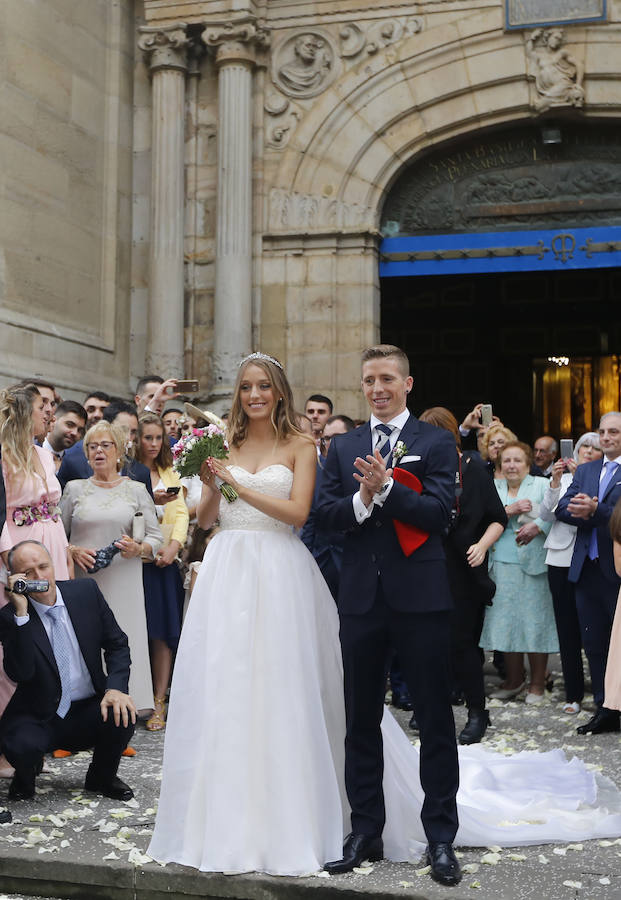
163 587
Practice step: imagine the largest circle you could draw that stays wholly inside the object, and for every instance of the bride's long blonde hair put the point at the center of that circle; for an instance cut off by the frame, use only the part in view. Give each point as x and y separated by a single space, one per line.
16 428
283 413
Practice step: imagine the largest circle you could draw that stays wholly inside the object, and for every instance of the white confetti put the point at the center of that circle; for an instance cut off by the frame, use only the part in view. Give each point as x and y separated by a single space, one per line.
575 847
573 884
543 859
64 844
120 813
470 868
406 884
490 859
604 880
114 855
424 871
36 818
560 851
517 857
140 859
363 870
133 803
475 885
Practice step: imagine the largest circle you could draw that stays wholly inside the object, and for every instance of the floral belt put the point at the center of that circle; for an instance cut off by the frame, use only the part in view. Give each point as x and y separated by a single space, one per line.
28 515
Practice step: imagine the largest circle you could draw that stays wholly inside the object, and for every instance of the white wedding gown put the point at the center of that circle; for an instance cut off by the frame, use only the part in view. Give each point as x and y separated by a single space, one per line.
253 760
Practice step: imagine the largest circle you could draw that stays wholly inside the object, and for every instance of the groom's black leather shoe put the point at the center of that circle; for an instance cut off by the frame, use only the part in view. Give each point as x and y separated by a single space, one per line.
356 849
603 720
445 868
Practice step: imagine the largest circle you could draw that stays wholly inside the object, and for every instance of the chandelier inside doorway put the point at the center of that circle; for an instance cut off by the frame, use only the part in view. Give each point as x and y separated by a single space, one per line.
571 397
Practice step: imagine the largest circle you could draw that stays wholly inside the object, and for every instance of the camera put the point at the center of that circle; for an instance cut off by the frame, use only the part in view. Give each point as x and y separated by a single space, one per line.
103 558
22 586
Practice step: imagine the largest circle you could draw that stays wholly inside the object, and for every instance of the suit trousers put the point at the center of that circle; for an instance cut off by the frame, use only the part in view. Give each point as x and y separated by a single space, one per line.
421 641
25 739
568 628
596 601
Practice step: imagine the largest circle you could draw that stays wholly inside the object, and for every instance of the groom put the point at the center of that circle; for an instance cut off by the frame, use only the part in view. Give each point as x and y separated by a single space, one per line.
388 600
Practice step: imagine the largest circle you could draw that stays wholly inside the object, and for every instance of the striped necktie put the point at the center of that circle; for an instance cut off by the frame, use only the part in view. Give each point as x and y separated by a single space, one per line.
60 646
611 469
383 441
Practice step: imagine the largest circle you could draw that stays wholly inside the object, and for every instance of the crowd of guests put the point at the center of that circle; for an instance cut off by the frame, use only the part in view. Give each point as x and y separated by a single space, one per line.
529 553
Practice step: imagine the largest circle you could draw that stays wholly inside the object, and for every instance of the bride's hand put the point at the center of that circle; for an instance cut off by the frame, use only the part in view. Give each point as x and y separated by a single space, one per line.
222 472
207 475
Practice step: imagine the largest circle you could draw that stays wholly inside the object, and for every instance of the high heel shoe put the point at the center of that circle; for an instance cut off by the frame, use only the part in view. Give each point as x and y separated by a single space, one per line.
157 721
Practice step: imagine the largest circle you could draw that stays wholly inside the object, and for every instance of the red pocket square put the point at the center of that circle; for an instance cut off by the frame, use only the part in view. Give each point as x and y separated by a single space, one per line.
410 537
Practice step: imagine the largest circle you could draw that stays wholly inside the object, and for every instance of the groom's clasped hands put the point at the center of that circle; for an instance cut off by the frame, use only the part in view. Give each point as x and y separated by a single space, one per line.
372 474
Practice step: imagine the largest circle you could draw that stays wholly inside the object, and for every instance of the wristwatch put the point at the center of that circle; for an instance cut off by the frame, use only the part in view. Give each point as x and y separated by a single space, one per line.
381 491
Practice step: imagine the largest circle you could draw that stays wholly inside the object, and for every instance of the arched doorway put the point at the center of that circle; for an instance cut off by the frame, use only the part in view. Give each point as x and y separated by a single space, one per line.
501 258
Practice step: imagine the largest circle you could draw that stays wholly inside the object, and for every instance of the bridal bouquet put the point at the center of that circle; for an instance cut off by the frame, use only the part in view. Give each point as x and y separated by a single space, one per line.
191 451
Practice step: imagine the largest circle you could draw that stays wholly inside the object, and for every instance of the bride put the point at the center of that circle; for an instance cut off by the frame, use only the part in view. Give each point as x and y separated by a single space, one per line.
253 766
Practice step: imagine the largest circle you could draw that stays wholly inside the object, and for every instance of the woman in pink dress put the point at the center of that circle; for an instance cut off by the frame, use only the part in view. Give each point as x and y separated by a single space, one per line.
32 495
32 489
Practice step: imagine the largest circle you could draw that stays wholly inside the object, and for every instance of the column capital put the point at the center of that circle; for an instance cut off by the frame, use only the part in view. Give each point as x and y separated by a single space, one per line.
236 41
165 46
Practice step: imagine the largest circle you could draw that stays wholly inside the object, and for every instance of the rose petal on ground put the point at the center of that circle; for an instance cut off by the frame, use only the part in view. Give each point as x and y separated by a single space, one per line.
491 859
363 870
543 859
517 857
560 851
424 871
573 884
470 868
604 880
111 855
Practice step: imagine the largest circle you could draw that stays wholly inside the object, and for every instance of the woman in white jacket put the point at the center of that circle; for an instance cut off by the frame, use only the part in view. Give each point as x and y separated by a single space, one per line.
560 546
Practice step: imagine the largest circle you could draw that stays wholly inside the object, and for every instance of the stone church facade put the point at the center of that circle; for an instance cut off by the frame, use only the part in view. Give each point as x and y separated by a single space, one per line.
186 180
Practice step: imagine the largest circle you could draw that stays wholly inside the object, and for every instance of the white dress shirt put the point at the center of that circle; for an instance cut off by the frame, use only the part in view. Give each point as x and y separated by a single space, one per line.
361 511
81 683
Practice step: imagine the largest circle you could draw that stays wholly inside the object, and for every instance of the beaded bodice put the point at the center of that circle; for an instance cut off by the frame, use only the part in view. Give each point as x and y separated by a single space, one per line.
275 480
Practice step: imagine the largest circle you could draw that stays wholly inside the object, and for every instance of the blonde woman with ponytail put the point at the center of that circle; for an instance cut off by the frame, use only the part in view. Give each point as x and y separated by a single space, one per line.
32 489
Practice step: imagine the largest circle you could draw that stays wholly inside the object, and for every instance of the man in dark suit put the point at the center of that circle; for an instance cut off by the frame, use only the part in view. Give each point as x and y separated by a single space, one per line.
388 599
588 503
53 641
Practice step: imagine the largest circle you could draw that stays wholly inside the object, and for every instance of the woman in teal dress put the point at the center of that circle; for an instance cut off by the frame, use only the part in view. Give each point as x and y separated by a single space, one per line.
522 617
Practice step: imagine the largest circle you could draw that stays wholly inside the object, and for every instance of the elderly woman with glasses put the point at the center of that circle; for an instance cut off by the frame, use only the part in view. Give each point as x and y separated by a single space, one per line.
111 513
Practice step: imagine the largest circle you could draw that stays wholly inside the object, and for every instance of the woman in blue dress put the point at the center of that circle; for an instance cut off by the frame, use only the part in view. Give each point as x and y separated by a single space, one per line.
522 617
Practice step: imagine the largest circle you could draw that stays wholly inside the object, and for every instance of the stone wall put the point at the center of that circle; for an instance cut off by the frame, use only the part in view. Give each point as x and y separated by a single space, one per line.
65 192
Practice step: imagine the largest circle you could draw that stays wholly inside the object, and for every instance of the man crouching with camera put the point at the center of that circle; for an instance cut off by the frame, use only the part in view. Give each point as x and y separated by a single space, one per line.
53 636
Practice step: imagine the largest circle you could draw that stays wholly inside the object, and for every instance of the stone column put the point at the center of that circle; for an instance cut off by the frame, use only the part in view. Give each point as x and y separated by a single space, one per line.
235 45
165 50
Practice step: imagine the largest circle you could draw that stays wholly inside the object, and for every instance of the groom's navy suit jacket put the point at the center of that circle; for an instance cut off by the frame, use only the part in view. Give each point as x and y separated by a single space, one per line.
586 481
372 555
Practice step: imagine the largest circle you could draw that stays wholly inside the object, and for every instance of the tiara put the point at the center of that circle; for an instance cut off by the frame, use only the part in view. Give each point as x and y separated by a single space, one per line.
258 355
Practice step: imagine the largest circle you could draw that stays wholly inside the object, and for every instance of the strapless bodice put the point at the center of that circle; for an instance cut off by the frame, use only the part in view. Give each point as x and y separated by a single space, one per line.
275 480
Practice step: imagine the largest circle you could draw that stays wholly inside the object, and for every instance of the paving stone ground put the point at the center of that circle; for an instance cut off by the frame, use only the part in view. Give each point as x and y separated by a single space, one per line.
69 844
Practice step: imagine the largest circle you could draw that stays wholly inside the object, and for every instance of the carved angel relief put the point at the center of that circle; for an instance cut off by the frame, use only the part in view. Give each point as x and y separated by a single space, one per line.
558 75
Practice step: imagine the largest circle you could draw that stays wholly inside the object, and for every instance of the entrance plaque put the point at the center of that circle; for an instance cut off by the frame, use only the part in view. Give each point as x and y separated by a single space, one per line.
529 13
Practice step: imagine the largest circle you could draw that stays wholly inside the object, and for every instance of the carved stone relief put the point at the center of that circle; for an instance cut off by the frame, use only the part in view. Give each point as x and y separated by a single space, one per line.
290 211
557 73
510 180
303 64
354 39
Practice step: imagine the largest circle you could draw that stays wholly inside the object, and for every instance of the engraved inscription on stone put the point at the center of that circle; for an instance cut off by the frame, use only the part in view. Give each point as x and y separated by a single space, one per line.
524 13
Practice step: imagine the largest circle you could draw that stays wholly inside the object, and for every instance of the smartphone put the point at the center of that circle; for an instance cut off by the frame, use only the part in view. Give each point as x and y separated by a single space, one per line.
567 448
486 414
187 386
173 490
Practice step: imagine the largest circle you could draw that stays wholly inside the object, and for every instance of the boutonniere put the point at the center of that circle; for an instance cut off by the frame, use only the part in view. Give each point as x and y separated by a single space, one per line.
399 451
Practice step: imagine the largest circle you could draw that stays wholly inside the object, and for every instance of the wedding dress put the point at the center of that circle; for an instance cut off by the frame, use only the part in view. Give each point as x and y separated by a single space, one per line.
252 777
